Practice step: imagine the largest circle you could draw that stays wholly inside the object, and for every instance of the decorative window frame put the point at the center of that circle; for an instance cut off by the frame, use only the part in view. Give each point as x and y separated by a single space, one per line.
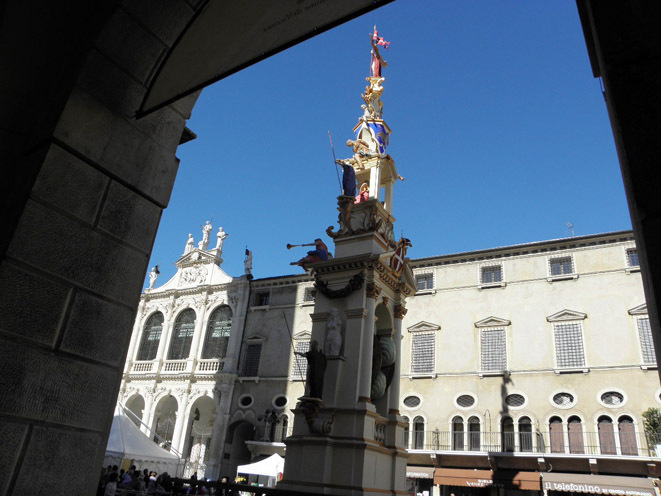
627 265
488 285
563 407
433 281
465 408
240 398
625 398
307 290
523 406
422 327
561 277
412 409
640 312
567 316
279 396
489 324
300 337
256 339
253 304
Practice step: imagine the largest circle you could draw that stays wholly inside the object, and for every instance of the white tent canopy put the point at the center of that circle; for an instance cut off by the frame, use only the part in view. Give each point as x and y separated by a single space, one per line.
271 466
128 441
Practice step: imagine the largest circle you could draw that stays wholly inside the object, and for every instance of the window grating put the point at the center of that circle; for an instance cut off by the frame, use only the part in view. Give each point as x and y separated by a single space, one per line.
612 398
184 328
299 366
569 345
218 333
632 258
514 400
262 299
492 274
494 351
308 295
563 399
646 344
422 353
151 336
561 266
424 281
465 400
251 360
412 401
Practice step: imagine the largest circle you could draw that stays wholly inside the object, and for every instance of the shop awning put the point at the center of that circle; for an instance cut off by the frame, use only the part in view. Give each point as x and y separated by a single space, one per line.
526 481
419 472
598 484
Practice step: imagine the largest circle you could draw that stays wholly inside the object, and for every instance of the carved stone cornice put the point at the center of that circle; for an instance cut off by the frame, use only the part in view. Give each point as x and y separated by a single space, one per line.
355 283
372 290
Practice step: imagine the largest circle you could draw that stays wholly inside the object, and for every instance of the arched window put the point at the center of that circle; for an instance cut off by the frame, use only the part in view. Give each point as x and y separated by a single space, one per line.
419 433
575 431
182 335
474 434
458 433
606 435
525 434
507 434
627 435
218 333
556 435
406 431
151 336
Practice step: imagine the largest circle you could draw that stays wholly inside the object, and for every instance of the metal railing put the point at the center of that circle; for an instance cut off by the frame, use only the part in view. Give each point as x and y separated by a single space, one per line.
588 443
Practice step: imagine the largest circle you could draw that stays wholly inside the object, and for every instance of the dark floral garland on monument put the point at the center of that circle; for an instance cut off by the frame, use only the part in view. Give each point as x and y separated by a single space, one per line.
356 282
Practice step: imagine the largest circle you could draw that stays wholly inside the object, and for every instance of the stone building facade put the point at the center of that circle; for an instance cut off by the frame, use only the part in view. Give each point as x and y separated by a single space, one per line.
542 349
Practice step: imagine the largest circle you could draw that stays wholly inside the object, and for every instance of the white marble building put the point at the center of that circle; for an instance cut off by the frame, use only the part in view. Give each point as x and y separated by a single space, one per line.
542 349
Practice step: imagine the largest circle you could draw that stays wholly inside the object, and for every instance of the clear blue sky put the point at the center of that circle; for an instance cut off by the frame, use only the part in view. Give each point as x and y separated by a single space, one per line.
498 126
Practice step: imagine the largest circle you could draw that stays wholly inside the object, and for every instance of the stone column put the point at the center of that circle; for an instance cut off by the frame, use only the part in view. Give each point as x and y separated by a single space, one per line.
365 384
165 337
375 182
393 398
148 413
239 314
136 335
197 335
182 420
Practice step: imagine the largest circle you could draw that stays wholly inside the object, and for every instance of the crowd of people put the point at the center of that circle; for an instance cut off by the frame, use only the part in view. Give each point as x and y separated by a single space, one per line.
117 482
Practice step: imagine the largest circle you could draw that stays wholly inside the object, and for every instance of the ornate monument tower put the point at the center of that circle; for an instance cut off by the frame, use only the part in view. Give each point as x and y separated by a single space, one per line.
348 436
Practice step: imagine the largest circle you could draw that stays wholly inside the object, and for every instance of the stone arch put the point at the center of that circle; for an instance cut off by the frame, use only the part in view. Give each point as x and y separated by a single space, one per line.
136 404
235 444
165 420
199 429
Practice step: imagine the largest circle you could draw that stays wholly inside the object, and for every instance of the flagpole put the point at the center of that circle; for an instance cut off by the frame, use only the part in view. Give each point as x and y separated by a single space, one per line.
335 162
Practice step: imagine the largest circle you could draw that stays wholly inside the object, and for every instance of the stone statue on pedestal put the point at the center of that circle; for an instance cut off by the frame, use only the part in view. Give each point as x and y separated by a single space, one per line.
221 239
190 244
153 275
206 231
333 343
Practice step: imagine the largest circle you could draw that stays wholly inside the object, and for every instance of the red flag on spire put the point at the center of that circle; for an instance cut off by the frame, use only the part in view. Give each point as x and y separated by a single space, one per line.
379 40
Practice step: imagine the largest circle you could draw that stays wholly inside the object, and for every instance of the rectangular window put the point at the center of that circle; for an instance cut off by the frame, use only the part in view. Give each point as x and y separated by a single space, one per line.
251 360
262 298
646 344
569 345
308 295
300 365
423 351
494 349
491 274
424 281
632 258
561 266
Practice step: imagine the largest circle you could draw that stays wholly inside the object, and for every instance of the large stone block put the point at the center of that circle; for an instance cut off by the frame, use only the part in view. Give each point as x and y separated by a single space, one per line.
130 217
98 329
13 437
83 256
32 305
130 46
41 385
59 462
70 184
118 146
166 19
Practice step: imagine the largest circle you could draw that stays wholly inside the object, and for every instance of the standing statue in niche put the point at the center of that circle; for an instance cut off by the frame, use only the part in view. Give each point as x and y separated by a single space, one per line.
221 239
314 379
190 244
206 232
153 275
333 343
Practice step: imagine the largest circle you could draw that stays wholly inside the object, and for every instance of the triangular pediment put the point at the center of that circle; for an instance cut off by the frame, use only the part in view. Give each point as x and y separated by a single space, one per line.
639 310
423 326
566 314
492 322
303 336
257 338
195 257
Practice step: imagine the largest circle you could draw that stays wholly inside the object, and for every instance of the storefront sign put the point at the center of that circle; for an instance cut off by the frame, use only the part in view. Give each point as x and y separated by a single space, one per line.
527 481
419 472
598 484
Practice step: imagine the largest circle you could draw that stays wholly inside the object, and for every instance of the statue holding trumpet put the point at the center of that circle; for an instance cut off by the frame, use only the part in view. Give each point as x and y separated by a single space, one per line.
319 254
